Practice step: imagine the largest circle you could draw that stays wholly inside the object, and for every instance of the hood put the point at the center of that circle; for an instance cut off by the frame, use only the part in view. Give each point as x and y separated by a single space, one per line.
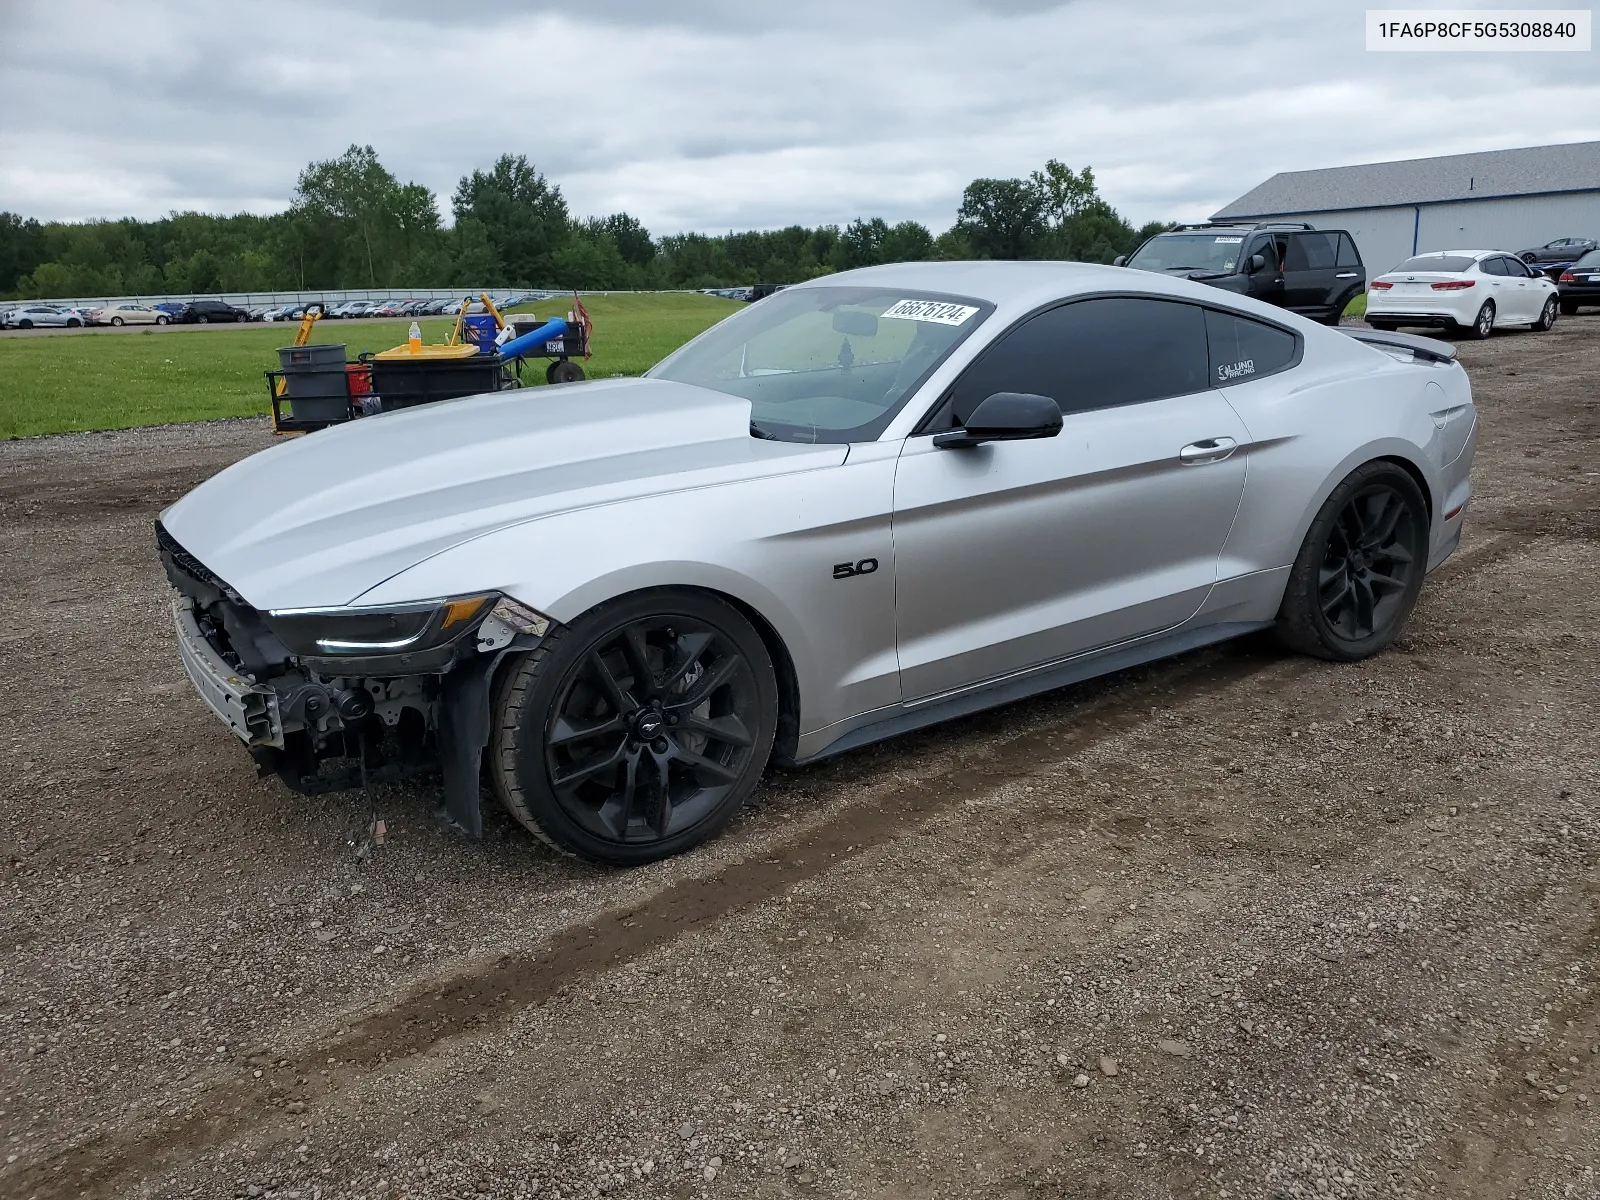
318 520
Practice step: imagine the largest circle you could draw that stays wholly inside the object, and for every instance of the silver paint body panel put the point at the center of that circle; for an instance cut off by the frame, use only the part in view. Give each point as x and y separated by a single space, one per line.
997 565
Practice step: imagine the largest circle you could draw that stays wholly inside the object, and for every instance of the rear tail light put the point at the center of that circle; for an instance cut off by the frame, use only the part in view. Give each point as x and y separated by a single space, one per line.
1379 285
1452 285
1568 277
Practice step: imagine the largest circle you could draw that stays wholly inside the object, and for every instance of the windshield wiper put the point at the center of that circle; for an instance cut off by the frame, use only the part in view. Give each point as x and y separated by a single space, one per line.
764 434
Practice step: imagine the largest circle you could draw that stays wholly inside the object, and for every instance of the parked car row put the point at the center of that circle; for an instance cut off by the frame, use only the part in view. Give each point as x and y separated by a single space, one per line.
206 312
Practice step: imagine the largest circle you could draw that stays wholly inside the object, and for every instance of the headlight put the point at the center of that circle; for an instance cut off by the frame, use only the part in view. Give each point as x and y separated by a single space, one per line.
396 629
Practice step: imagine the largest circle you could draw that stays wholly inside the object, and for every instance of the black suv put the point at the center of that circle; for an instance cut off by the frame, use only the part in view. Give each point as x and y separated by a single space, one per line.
202 312
1314 272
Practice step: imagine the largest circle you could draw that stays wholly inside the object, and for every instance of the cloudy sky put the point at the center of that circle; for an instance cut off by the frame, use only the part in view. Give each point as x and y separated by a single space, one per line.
717 114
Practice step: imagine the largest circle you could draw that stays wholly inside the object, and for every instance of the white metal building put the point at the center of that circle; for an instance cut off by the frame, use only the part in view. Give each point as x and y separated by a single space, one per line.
1497 200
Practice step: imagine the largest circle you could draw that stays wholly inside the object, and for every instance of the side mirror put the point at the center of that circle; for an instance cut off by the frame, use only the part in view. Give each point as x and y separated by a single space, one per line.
1005 417
1120 260
1257 263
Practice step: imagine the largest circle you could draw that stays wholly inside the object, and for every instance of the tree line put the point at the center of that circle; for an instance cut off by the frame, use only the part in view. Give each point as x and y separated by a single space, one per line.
354 224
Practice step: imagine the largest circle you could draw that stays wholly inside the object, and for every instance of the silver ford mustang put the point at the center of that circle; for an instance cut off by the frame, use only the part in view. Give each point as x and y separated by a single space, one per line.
862 505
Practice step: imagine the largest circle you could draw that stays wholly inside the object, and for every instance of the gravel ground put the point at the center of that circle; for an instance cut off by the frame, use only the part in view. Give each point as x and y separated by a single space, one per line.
1234 925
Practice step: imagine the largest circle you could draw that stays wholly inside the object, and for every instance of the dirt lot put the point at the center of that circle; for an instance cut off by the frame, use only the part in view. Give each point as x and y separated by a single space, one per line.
1237 925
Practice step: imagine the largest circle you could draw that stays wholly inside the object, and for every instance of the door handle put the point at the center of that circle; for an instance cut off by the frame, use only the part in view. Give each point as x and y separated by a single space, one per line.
1348 275
1210 450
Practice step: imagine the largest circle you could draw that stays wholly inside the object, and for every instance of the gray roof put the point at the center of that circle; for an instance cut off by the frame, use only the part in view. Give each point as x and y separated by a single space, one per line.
1574 167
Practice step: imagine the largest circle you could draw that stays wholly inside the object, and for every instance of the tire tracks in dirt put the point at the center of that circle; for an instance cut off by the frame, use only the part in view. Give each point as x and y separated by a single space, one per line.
487 995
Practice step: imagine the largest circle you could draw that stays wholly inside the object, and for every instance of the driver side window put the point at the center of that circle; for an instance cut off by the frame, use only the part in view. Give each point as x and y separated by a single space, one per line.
1087 355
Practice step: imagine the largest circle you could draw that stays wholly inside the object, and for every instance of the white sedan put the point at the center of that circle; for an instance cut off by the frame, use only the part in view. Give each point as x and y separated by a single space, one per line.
1473 291
129 312
33 316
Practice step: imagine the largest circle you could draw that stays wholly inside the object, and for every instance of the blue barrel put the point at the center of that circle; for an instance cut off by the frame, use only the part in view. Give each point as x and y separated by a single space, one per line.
479 329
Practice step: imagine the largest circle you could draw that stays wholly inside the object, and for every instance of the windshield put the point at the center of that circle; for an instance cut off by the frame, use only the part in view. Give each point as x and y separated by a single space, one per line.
1214 252
1436 262
826 364
1591 259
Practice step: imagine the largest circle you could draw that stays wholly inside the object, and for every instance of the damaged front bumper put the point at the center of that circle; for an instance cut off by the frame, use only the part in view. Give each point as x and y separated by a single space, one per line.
248 709
324 723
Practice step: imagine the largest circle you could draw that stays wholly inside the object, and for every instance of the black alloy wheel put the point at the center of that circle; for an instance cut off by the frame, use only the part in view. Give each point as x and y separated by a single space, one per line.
639 730
1547 316
1359 571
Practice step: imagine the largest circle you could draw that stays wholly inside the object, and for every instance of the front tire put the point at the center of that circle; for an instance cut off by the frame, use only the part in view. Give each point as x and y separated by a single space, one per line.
161 320
1547 316
117 321
1360 568
639 730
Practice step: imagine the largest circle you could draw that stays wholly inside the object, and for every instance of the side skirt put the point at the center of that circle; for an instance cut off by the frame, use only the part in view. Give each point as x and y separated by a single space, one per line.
1004 691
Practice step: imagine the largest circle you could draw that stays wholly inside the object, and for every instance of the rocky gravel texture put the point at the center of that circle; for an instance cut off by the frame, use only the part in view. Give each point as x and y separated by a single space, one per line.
1234 925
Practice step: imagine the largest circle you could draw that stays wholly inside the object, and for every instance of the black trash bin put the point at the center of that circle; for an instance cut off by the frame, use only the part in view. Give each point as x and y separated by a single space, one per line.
406 383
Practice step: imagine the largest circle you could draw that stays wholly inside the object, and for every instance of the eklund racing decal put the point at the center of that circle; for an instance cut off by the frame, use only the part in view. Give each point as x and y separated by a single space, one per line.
1236 370
936 311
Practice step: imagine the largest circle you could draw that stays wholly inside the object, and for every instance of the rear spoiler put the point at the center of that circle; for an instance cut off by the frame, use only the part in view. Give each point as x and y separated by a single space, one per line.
1431 349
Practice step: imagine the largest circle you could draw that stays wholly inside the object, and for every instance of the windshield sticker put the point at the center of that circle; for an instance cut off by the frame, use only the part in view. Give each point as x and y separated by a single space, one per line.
1229 241
1236 370
936 311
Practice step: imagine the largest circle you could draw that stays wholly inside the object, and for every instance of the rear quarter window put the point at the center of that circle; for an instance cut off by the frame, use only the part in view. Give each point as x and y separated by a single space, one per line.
1241 349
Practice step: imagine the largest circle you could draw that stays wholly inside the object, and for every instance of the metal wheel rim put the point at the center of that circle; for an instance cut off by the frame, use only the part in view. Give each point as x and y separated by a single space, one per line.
1367 567
1549 314
651 729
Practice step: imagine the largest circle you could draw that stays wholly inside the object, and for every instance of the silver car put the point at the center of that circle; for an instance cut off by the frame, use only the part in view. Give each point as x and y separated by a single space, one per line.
867 504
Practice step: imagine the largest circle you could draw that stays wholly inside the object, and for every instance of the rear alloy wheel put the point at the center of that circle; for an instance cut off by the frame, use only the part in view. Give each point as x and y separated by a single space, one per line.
203 319
116 320
1547 317
639 730
1359 571
73 323
1483 323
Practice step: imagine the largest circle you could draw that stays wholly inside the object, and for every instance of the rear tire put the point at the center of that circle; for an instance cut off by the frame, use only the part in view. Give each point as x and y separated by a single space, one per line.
1483 324
1547 316
1383 326
202 319
116 321
639 730
1360 568
1569 308
24 324
73 323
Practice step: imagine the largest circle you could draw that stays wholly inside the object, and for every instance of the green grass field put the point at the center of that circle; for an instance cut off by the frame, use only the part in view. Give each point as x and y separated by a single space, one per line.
71 383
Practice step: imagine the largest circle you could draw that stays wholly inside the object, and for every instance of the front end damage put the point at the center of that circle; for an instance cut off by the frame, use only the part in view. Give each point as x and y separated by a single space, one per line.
328 699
